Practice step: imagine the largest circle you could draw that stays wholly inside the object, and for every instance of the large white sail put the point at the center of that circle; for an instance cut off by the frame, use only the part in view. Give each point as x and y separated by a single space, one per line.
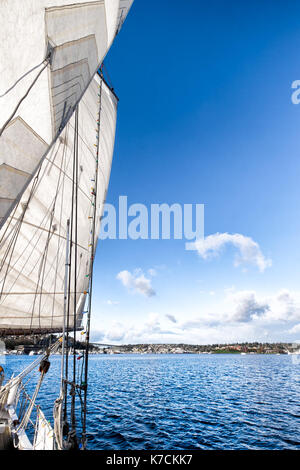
33 238
61 44
37 152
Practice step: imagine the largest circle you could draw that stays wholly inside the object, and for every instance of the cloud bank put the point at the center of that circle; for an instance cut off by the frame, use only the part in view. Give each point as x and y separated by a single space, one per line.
240 316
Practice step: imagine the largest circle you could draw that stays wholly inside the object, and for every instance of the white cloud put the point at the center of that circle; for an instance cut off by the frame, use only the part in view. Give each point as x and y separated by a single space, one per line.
248 250
112 302
284 307
280 307
239 316
247 306
137 282
246 315
150 330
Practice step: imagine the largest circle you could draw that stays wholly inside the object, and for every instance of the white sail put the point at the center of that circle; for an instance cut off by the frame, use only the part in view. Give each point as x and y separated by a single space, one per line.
32 253
57 132
74 36
48 66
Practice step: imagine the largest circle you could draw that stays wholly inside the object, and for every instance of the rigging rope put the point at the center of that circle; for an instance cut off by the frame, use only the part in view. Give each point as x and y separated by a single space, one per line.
27 414
29 368
21 78
47 61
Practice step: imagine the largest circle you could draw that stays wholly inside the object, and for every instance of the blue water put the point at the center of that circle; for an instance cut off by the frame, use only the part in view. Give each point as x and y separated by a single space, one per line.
186 401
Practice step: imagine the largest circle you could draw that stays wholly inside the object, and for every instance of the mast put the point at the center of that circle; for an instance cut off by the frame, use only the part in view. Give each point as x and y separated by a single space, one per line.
73 391
65 306
93 250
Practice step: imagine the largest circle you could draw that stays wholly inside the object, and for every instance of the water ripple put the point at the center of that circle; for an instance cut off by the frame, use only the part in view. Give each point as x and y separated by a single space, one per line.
187 401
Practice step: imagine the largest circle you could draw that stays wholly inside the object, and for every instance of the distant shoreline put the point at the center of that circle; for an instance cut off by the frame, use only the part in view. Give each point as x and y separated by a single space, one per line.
236 348
14 346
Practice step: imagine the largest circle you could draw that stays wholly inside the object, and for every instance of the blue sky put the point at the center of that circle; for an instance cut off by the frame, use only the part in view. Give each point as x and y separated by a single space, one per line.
205 116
